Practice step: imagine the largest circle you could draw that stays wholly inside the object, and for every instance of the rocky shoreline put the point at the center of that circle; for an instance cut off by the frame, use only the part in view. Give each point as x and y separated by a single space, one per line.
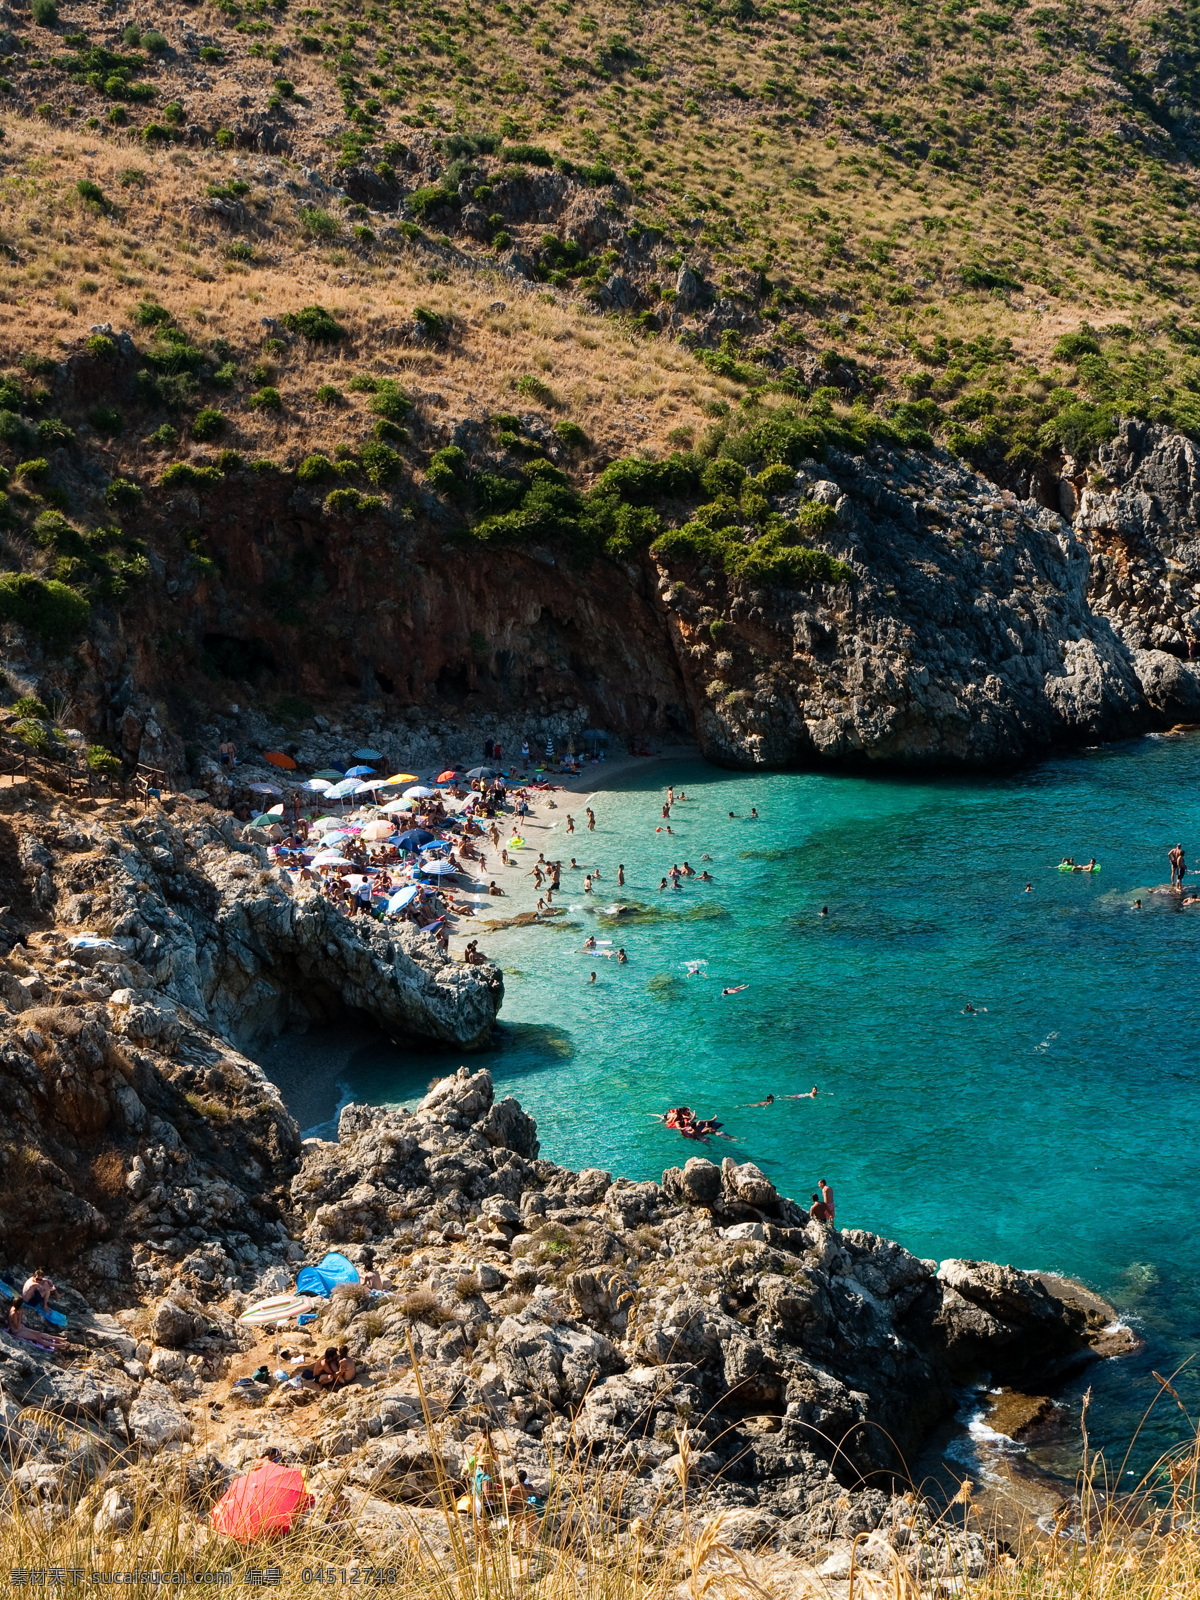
154 1171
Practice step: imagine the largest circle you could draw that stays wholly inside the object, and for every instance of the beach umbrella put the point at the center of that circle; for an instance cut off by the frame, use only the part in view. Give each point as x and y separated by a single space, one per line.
361 786
439 869
377 830
264 788
360 772
368 755
263 1502
334 836
341 790
265 821
278 759
316 785
417 792
330 858
449 776
275 811
397 805
320 825
401 777
332 773
414 838
594 736
403 897
482 772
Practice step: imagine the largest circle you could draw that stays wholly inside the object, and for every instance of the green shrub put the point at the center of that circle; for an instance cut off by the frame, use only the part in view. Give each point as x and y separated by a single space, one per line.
92 193
977 277
36 468
164 436
266 399
723 477
123 495
381 464
14 430
155 42
447 471
328 395
1071 346
572 435
102 761
150 314
208 424
316 469
638 481
54 431
317 224
185 472
45 13
107 420
30 706
433 324
344 501
532 155
34 735
778 478
52 610
390 401
532 388
224 376
1080 428
315 323
421 202
101 347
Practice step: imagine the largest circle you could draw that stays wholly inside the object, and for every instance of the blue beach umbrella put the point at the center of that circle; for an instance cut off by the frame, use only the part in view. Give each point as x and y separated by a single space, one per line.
368 755
414 838
360 772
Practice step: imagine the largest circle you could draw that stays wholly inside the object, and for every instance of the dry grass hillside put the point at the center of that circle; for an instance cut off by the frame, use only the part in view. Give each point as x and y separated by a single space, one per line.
453 261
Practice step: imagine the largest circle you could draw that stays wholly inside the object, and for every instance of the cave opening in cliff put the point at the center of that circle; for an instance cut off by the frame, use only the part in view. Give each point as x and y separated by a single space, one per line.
244 660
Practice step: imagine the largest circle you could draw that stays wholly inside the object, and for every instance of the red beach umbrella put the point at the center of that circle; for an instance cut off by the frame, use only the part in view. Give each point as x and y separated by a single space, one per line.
265 1501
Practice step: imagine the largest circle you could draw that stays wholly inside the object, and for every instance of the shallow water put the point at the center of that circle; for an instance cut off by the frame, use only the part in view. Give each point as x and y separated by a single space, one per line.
1053 1128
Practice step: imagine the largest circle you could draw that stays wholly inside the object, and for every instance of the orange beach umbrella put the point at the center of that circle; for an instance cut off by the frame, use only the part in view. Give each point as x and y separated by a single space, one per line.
278 759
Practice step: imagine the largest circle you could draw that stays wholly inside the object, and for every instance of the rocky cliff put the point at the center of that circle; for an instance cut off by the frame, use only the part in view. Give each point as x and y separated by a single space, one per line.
131 1115
702 1331
975 628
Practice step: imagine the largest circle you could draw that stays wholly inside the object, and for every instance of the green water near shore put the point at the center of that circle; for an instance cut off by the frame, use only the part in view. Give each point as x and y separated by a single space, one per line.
1053 1126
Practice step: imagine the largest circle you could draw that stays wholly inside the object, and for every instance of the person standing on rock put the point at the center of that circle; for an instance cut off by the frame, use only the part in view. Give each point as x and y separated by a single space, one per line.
1178 866
819 1211
827 1196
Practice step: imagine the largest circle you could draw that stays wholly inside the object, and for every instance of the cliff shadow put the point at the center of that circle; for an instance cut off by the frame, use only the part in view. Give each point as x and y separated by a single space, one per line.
332 1065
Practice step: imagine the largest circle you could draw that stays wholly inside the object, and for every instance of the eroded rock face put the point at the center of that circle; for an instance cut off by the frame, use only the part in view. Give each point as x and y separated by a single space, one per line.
966 637
796 1353
143 1127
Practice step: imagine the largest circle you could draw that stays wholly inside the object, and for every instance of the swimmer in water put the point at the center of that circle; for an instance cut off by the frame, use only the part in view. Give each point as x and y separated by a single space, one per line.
590 942
769 1101
1028 888
754 812
811 1095
706 858
662 885
592 979
736 989
732 814
1136 906
621 876
705 877
622 958
824 911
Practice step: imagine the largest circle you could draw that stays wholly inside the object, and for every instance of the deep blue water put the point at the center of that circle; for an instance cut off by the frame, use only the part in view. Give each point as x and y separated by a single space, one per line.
1053 1128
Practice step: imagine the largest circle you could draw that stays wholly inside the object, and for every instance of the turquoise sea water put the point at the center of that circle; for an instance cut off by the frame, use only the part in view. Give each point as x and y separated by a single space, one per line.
1056 1127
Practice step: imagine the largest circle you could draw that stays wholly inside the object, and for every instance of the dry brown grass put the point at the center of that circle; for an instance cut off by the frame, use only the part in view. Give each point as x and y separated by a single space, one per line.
621 388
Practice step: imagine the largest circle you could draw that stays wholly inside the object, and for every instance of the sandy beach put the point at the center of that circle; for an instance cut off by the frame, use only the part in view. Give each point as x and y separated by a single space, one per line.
545 832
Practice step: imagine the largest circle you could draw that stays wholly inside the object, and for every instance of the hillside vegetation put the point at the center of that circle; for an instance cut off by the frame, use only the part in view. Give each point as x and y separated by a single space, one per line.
447 262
